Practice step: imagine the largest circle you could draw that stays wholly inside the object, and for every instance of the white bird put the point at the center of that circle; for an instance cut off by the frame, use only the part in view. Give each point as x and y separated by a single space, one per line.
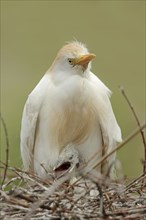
68 161
70 105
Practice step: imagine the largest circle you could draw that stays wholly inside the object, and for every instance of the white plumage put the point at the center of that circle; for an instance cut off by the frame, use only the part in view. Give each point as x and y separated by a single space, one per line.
70 105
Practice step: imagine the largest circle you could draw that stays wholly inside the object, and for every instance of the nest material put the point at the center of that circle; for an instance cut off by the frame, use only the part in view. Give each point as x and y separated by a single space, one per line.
86 198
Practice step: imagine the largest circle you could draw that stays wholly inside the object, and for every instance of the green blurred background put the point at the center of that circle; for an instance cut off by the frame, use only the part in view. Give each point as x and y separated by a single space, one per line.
33 31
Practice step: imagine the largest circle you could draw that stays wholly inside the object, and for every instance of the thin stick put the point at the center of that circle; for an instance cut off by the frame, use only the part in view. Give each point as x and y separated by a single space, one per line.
138 122
122 144
135 181
7 148
102 208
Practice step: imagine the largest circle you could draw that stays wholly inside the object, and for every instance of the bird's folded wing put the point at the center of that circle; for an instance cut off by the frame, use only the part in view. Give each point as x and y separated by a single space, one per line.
111 134
28 131
30 121
110 129
109 126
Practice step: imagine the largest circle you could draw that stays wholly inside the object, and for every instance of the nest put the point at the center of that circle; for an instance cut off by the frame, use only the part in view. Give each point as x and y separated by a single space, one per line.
25 196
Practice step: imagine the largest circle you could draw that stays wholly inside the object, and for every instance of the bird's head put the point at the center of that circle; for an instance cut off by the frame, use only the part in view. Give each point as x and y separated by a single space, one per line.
67 162
73 58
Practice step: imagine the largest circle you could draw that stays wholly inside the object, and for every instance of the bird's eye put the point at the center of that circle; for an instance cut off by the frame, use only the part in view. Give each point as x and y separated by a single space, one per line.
70 61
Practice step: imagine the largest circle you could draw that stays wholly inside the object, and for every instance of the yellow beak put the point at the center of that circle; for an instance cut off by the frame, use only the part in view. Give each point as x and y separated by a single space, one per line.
84 59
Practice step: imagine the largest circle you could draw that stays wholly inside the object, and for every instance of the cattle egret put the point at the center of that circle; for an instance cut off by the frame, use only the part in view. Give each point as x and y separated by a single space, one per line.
70 105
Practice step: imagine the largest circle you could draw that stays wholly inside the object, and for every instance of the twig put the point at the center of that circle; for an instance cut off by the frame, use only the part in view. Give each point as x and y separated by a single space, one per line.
131 136
49 192
9 182
138 122
102 208
7 148
13 200
135 181
14 207
121 145
124 212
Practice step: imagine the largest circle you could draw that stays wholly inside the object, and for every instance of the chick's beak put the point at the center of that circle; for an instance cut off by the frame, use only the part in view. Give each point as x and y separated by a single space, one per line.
61 169
84 59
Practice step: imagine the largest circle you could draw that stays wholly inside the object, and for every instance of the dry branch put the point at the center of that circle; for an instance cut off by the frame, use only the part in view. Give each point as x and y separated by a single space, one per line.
7 148
138 122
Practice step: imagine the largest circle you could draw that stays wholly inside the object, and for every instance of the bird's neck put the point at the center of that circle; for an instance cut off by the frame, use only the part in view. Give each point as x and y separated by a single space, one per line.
59 77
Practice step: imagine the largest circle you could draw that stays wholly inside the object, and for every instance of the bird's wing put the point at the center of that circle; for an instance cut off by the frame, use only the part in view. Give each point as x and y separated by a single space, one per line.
28 131
30 121
110 129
